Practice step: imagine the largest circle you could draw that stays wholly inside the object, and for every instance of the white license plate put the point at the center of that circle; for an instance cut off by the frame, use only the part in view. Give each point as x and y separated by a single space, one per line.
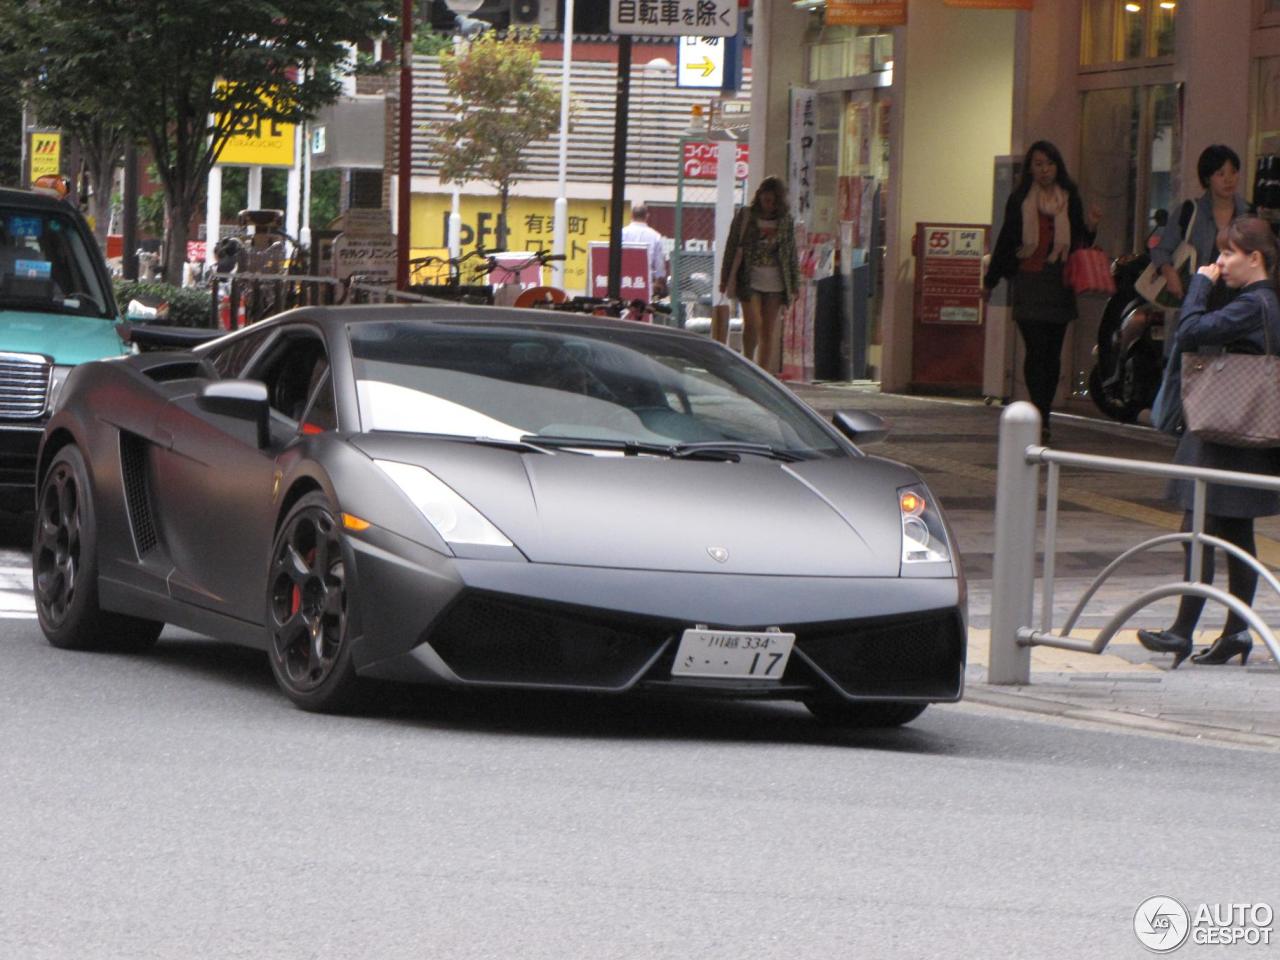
732 654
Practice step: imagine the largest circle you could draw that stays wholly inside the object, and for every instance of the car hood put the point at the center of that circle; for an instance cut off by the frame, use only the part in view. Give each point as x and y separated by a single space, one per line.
67 339
834 518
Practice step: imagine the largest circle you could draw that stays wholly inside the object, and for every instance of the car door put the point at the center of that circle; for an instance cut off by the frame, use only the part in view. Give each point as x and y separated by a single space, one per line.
220 489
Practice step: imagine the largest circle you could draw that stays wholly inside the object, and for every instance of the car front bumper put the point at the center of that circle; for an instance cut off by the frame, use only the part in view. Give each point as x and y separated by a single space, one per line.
489 623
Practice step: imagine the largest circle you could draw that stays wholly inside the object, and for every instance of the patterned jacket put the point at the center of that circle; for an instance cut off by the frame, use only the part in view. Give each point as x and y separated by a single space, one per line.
747 238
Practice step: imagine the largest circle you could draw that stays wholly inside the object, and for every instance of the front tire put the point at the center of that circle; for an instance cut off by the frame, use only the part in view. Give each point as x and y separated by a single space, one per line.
307 605
864 715
64 561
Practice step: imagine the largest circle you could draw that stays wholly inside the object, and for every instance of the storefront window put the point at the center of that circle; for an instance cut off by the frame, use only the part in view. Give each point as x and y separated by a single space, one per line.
1114 31
1130 145
842 52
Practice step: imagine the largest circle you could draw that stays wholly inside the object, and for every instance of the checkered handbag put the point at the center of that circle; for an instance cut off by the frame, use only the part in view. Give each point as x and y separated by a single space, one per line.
1234 398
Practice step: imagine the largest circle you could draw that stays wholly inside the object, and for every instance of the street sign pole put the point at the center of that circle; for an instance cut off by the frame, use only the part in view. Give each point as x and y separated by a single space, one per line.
621 106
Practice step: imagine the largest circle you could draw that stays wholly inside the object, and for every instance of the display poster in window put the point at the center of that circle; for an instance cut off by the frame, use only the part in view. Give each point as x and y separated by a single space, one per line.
949 272
856 13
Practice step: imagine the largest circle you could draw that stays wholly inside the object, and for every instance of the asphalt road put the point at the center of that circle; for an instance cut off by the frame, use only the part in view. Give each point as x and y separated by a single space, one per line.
174 805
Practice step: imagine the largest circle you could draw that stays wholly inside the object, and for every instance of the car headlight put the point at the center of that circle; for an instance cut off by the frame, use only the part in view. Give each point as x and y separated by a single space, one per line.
924 540
57 377
454 519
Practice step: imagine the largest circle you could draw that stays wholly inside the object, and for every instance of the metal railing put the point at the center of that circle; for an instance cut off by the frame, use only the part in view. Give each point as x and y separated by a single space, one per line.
1013 574
250 297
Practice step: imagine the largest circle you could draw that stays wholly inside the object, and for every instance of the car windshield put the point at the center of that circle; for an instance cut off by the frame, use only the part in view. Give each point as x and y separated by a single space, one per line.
47 266
618 387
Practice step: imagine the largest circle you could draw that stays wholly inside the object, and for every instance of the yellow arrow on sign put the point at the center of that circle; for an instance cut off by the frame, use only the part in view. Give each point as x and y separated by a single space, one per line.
707 66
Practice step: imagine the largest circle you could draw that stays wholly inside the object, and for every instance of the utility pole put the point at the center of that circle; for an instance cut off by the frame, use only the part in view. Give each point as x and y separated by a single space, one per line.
622 104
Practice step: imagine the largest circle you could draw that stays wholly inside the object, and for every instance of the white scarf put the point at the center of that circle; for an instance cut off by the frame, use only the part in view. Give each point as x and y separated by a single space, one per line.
1052 203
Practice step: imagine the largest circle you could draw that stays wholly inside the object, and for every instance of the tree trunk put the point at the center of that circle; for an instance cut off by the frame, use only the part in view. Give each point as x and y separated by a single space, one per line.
101 175
178 212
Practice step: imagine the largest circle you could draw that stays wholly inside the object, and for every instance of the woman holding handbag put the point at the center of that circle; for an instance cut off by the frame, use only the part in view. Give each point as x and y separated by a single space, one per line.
1044 221
1200 221
761 270
1248 324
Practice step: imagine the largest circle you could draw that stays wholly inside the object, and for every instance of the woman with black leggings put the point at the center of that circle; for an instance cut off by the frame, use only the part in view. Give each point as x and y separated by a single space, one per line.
1044 221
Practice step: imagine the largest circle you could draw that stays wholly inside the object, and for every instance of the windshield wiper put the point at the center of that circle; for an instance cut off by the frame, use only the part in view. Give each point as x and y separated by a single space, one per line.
732 449
706 450
630 448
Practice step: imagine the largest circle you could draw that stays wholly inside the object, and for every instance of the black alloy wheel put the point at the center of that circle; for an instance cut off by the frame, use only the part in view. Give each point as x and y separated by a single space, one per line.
307 608
65 567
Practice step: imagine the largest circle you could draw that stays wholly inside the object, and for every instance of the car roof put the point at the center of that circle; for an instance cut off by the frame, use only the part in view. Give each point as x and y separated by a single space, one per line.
31 200
472 315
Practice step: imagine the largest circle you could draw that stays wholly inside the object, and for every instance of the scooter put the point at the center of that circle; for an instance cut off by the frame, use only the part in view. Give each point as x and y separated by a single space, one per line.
1129 355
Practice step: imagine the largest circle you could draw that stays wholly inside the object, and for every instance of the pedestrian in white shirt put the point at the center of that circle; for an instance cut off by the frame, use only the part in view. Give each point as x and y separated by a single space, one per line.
639 231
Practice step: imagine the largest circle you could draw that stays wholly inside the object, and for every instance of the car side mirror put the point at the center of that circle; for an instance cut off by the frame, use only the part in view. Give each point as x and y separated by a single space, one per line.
244 400
859 426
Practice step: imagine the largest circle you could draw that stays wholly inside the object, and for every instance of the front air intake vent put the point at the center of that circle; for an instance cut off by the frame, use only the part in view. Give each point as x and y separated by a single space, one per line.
24 385
134 465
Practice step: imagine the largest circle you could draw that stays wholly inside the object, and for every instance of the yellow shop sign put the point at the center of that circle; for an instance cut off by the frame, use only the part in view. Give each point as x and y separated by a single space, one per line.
259 142
530 226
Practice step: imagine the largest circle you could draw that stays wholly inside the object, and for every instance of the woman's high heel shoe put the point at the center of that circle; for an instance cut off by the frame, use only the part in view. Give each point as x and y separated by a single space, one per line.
1226 647
1166 641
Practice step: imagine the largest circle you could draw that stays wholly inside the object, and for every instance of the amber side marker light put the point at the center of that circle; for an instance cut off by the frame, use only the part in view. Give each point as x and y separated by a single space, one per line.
352 522
912 505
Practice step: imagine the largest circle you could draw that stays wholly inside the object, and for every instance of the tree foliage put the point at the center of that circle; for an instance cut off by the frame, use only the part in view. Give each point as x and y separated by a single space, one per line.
504 106
183 75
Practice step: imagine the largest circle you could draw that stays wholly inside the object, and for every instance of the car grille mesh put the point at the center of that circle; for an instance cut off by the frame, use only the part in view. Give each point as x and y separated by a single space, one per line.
137 492
24 385
913 657
489 639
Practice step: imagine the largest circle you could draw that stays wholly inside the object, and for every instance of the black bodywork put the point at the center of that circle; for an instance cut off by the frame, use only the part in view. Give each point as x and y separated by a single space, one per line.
609 560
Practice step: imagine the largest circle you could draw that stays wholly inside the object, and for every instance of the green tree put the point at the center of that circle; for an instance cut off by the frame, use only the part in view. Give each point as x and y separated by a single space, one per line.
504 106
185 75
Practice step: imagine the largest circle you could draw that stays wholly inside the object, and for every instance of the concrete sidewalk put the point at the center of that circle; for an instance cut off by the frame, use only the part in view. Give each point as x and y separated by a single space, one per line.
952 442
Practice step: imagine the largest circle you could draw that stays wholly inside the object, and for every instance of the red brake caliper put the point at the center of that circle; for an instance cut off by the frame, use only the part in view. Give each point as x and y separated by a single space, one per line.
295 602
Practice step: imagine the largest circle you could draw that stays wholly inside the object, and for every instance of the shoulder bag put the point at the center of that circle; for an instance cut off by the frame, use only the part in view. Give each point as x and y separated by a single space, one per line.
1150 284
1234 398
731 287
1088 270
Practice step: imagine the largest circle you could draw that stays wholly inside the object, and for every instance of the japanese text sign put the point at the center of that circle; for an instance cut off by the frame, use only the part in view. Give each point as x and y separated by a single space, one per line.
881 13
674 18
804 131
702 160
259 142
634 284
949 273
46 153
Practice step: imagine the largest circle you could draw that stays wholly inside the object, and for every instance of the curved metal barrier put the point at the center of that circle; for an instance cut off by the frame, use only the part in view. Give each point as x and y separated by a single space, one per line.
1013 575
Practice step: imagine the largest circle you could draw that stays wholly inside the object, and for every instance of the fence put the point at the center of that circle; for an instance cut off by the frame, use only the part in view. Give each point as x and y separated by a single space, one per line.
251 297
1013 574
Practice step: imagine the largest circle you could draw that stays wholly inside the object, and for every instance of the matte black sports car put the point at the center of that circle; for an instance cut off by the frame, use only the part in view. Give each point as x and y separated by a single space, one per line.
495 498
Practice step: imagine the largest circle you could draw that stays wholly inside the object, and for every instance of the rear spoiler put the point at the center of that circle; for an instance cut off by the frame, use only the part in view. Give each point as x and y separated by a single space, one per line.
156 336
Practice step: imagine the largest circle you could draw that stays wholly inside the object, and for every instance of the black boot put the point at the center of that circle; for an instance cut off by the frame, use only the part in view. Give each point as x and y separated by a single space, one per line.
1166 641
1226 647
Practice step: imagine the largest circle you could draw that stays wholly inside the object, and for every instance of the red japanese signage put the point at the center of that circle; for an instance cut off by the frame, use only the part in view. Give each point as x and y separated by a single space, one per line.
949 272
882 13
701 161
635 271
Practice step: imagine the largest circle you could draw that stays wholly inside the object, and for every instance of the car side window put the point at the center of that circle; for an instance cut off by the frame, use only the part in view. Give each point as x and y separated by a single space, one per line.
229 360
292 369
322 415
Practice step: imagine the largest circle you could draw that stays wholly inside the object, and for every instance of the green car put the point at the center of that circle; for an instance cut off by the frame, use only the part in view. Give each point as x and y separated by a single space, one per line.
56 310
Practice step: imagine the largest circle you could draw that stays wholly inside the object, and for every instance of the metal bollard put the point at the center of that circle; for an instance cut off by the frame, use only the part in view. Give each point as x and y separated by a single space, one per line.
1013 570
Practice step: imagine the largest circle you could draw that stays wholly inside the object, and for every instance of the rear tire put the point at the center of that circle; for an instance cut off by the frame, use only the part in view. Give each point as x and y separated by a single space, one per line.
864 715
64 561
310 650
